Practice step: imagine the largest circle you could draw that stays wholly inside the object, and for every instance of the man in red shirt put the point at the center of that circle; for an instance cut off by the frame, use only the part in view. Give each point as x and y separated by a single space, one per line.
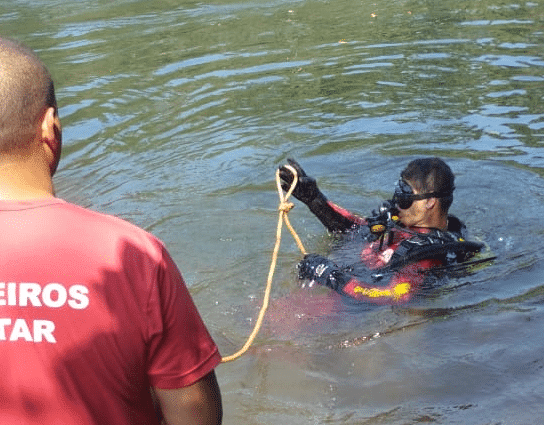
95 319
411 235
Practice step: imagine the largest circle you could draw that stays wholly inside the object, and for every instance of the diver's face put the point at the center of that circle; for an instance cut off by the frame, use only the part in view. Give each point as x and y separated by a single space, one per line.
416 214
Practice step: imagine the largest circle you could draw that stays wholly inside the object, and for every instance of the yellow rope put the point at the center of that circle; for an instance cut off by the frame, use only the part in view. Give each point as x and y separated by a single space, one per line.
284 209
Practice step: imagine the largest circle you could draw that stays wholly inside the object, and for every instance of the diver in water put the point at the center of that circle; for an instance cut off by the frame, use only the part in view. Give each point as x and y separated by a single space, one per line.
408 237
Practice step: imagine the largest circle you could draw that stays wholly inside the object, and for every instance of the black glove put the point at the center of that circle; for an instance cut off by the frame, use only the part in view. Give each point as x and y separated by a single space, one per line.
306 189
319 269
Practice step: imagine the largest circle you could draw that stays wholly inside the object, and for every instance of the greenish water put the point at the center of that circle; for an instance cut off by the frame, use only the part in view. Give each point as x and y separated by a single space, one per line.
176 115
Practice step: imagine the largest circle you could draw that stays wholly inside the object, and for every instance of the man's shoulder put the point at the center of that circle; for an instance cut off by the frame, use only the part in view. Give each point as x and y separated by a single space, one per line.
455 225
100 224
98 216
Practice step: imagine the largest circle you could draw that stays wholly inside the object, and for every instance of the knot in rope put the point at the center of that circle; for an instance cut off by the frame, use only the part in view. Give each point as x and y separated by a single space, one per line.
284 208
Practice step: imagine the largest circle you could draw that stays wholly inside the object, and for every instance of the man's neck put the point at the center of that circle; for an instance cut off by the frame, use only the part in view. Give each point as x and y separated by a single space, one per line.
24 180
440 223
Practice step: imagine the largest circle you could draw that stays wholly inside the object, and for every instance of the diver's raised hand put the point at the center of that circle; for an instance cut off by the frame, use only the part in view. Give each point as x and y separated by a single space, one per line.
306 189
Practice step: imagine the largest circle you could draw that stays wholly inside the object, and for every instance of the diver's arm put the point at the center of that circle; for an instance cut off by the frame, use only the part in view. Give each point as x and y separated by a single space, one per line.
334 218
398 289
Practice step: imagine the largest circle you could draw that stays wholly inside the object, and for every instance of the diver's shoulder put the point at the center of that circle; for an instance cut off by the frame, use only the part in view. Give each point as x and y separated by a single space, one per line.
455 225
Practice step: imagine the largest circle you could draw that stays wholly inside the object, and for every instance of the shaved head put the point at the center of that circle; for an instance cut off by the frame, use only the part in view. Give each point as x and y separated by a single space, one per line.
26 92
431 175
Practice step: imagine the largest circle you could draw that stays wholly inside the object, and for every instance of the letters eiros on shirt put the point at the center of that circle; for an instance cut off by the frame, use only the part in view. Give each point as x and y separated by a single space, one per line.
52 295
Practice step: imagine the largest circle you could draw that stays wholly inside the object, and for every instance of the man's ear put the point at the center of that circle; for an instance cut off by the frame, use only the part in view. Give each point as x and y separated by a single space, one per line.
430 203
51 137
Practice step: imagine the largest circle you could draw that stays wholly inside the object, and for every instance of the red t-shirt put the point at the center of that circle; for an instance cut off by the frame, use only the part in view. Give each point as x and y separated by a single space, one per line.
93 311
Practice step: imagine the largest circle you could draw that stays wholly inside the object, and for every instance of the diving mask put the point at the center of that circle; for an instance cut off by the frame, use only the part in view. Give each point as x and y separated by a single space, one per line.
404 195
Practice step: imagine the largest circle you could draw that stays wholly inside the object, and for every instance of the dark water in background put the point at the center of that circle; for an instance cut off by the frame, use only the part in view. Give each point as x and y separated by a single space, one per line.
176 115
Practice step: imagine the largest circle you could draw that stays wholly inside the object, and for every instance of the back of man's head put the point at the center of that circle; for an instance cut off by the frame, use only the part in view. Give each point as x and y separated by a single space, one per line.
432 175
26 91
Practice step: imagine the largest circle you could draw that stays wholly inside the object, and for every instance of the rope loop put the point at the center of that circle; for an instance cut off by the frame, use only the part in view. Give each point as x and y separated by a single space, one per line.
284 208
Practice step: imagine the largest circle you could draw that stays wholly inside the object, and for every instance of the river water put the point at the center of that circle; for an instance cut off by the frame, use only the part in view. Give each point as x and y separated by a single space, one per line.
176 115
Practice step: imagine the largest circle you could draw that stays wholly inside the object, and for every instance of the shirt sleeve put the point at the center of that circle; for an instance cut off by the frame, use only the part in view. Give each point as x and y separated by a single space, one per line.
181 350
